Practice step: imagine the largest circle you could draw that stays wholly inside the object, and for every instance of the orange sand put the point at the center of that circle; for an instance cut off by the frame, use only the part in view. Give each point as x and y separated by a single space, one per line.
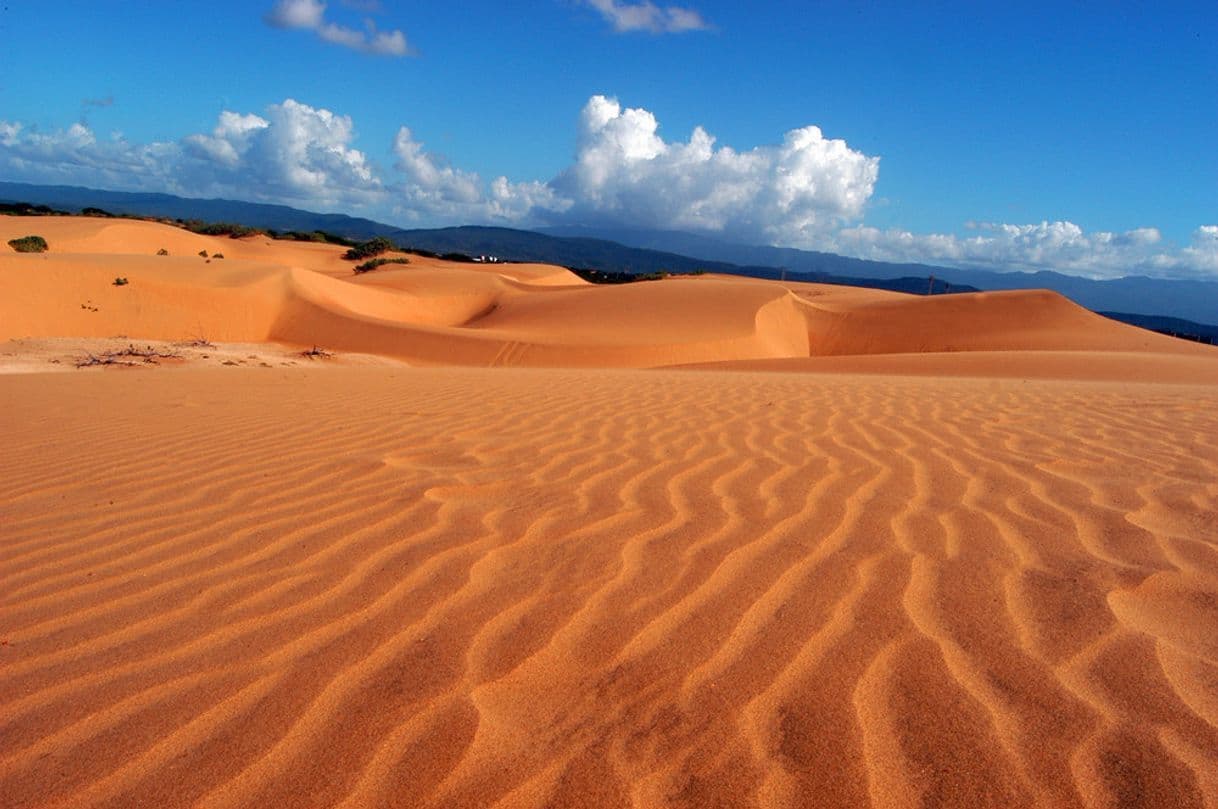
876 550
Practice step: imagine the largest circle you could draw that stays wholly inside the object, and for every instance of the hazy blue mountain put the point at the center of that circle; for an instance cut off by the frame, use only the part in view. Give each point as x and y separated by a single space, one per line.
254 214
789 258
525 245
600 254
650 251
1176 327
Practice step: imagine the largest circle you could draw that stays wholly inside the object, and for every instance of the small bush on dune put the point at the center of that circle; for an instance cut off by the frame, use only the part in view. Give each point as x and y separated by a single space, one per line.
319 236
29 244
162 252
370 248
27 209
380 262
610 277
217 255
202 254
220 229
120 282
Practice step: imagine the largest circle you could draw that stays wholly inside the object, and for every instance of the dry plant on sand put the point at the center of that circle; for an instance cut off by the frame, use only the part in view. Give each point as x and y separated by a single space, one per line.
127 356
317 353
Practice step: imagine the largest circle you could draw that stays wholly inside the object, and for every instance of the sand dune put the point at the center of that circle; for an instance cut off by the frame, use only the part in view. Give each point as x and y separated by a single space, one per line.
875 551
437 312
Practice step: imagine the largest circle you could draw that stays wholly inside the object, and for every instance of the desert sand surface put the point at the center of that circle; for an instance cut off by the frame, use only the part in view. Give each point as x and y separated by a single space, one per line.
860 549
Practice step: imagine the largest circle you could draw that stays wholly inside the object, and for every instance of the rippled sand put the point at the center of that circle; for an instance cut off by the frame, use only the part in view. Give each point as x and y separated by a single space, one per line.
460 587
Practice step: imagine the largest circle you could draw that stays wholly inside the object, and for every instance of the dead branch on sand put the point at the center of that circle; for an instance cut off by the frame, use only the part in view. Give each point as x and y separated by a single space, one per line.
126 356
317 353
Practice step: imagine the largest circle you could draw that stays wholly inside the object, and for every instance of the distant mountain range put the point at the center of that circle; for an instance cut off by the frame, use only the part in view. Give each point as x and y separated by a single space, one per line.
646 251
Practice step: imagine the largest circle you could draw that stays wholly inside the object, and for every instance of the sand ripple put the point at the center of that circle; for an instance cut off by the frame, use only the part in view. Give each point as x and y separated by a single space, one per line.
462 587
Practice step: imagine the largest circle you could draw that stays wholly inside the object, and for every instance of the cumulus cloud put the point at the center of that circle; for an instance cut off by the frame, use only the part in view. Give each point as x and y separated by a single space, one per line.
296 153
805 190
1203 252
228 141
623 172
1061 246
647 16
74 155
432 187
310 15
788 192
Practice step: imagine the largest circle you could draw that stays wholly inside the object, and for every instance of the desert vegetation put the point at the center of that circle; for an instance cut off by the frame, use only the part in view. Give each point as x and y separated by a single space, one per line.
368 266
608 277
29 244
131 355
370 248
319 236
230 229
29 209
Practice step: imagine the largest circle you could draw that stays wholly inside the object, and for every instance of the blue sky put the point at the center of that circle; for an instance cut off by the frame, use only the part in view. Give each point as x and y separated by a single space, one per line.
1077 137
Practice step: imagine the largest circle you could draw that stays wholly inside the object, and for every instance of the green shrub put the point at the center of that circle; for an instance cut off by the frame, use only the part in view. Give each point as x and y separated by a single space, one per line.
611 277
319 236
370 248
26 209
29 244
229 229
380 262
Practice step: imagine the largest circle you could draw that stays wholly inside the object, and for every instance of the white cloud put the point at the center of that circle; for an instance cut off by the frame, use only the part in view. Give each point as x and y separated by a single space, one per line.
307 152
228 141
297 14
9 133
1060 246
429 178
296 153
310 15
624 172
806 191
647 16
789 192
1203 252
433 188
